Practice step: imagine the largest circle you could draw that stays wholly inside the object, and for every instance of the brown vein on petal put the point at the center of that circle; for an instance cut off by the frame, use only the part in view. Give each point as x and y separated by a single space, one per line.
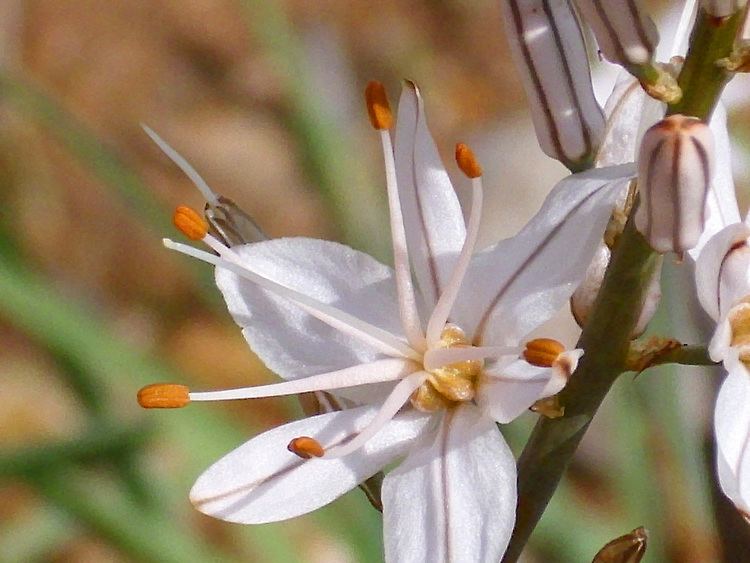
639 27
297 462
482 325
552 126
431 264
569 78
677 202
650 189
610 30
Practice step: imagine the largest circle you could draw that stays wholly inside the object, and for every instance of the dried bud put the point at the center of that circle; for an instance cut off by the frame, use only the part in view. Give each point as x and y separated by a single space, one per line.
629 548
548 49
230 224
675 167
626 36
582 300
722 8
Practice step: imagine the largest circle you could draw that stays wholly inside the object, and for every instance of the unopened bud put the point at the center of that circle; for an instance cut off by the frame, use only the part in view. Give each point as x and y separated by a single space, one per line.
548 49
583 298
722 8
675 167
626 35
629 548
230 224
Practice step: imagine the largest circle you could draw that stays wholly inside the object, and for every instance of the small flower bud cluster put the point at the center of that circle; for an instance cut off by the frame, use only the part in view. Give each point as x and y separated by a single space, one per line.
626 35
722 8
548 48
675 167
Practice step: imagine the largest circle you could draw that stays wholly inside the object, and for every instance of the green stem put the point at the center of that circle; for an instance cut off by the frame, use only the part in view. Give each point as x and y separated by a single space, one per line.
701 79
684 355
605 339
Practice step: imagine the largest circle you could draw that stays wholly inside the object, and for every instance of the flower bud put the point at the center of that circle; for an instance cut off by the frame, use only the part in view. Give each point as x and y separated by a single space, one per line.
722 8
629 548
582 300
675 166
626 36
548 49
230 224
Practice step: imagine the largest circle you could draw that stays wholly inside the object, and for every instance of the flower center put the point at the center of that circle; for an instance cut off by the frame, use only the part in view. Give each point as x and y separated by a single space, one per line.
739 320
449 384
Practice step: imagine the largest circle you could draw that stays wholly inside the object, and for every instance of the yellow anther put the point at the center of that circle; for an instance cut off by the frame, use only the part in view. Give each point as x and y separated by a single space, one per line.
467 162
306 447
427 399
163 396
542 352
739 320
378 107
190 223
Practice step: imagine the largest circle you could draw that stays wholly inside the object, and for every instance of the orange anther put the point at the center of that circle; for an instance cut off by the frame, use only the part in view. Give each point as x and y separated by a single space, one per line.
163 396
190 223
306 447
467 162
542 352
378 107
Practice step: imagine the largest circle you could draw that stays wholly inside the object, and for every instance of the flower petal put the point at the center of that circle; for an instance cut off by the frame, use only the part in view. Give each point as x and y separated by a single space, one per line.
721 202
732 428
522 281
714 293
262 482
434 223
506 392
290 341
453 498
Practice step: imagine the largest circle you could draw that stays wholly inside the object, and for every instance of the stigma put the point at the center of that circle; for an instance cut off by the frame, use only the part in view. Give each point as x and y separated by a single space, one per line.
449 384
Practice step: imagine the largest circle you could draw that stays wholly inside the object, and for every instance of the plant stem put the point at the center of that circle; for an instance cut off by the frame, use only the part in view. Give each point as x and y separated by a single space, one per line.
606 336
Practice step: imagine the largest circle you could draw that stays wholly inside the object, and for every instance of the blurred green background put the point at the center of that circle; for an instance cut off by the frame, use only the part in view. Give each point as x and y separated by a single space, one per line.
264 98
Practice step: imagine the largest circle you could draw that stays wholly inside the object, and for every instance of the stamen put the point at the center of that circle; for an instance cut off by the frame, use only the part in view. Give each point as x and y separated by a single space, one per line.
184 165
442 309
378 371
407 301
398 397
306 447
467 161
378 107
376 337
190 223
439 357
163 396
542 352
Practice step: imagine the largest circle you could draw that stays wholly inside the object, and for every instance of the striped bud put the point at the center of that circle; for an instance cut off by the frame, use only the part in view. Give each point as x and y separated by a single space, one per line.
675 166
230 224
626 36
548 49
722 8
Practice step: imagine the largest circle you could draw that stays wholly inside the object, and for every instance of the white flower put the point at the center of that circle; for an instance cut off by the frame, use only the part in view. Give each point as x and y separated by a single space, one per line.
421 371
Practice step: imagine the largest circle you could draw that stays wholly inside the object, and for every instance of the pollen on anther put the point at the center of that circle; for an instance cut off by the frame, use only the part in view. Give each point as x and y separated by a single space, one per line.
378 107
467 162
542 352
306 447
190 223
164 396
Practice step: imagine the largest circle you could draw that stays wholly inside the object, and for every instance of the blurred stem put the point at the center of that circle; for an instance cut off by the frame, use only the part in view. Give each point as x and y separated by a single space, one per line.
101 443
36 534
606 336
142 536
329 156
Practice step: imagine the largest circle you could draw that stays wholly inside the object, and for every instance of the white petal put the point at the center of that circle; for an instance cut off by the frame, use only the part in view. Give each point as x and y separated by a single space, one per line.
506 392
521 282
732 427
714 298
290 341
433 219
454 498
721 203
263 482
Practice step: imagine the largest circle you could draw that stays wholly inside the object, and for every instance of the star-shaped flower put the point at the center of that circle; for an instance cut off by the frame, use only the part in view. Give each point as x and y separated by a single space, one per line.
417 370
